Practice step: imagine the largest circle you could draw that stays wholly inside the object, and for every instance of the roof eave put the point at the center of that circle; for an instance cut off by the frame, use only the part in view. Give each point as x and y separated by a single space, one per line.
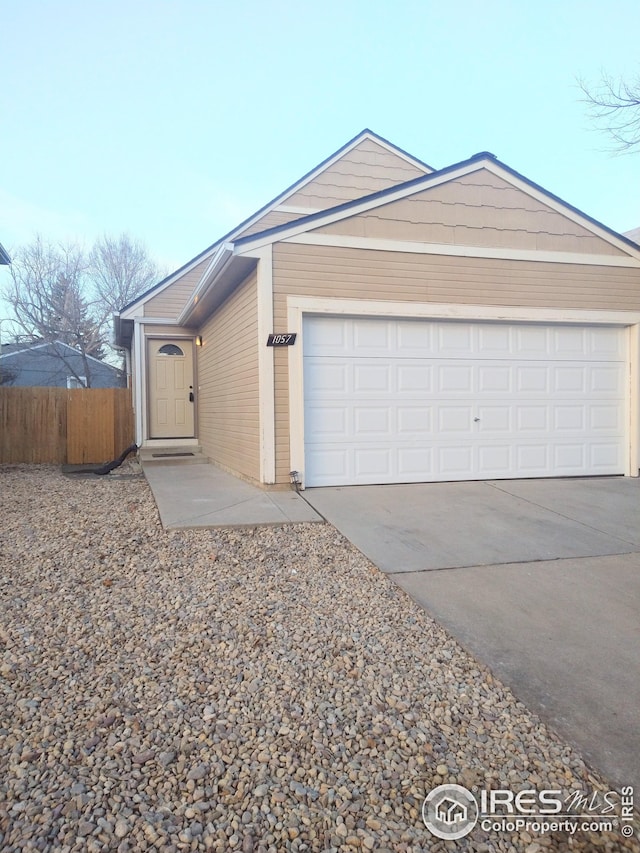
220 261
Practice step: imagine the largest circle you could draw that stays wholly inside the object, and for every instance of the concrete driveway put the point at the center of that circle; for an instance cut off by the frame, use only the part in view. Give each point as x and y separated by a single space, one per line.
539 579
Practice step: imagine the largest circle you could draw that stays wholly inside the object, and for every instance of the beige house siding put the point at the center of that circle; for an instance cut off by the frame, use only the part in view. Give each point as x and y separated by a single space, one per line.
479 209
269 220
377 275
365 169
170 302
227 380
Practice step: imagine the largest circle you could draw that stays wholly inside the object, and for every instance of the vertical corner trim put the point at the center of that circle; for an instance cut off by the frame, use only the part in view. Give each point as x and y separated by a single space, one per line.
266 378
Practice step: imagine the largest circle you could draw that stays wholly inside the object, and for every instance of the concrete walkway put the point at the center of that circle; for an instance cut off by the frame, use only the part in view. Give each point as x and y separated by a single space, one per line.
539 579
203 495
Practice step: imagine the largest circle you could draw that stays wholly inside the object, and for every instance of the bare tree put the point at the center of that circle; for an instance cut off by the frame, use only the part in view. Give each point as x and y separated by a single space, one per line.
63 293
615 104
120 270
46 292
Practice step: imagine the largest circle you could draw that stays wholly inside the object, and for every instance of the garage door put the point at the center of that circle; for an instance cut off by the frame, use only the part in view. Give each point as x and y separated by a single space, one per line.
399 401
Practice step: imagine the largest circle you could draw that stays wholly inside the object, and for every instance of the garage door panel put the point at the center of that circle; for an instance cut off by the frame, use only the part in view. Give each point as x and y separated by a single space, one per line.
452 379
497 341
414 378
532 341
607 343
372 377
373 420
606 417
455 339
415 464
532 379
414 422
605 380
568 343
326 375
495 459
372 462
372 338
532 418
604 456
569 418
328 423
533 459
495 419
454 460
494 378
412 401
415 339
570 380
455 419
569 458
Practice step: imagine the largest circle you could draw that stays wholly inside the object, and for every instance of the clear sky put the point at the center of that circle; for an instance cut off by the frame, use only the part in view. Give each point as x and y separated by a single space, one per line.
174 120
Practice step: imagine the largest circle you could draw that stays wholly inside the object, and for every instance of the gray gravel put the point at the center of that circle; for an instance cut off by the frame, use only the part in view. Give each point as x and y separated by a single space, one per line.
251 690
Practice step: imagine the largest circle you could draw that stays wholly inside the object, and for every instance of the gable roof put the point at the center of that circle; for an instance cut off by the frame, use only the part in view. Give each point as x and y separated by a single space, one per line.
4 255
220 273
484 159
307 178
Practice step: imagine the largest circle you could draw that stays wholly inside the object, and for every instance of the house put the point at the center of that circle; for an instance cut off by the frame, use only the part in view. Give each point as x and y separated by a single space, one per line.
633 235
381 321
450 811
4 256
55 365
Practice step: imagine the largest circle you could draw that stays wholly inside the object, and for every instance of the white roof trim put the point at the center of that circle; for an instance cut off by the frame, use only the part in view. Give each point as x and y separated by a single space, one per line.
219 261
537 255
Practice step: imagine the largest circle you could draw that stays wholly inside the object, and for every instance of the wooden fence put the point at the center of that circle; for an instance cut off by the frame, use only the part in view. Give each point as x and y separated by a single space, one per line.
56 425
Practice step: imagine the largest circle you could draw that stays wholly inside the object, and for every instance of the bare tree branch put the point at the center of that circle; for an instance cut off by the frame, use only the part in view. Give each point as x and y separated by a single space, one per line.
614 104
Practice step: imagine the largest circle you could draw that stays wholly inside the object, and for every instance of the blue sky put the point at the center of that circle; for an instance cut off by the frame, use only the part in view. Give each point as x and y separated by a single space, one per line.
176 120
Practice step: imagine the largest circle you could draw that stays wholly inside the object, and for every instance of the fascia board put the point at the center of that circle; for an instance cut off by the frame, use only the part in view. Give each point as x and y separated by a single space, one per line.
218 263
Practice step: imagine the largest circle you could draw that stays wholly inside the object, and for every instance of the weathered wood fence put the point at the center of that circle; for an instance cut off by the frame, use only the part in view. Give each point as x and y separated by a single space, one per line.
57 425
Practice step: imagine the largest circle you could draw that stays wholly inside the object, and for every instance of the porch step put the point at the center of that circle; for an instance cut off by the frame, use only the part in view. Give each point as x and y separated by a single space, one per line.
190 455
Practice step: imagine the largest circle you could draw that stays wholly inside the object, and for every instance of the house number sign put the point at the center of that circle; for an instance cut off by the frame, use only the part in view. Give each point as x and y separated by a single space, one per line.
286 339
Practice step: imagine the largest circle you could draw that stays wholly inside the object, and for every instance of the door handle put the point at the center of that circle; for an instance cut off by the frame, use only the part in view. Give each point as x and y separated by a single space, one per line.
191 397
475 420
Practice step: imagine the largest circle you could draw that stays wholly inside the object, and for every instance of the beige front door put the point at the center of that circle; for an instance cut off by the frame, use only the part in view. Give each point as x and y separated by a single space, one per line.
171 397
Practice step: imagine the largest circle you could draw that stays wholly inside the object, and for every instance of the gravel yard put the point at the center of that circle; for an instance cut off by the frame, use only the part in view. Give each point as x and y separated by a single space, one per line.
253 690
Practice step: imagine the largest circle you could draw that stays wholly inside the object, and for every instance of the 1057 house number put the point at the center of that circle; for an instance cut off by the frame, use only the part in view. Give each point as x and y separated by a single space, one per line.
286 339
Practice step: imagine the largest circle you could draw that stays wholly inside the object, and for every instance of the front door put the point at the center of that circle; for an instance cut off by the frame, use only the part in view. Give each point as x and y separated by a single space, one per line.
171 398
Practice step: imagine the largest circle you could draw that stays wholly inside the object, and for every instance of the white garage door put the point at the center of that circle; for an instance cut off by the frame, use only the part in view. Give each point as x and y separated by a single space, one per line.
399 401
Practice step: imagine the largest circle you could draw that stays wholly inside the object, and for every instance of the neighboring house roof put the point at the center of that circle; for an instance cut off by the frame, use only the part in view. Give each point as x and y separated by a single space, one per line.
52 363
634 235
4 256
210 251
